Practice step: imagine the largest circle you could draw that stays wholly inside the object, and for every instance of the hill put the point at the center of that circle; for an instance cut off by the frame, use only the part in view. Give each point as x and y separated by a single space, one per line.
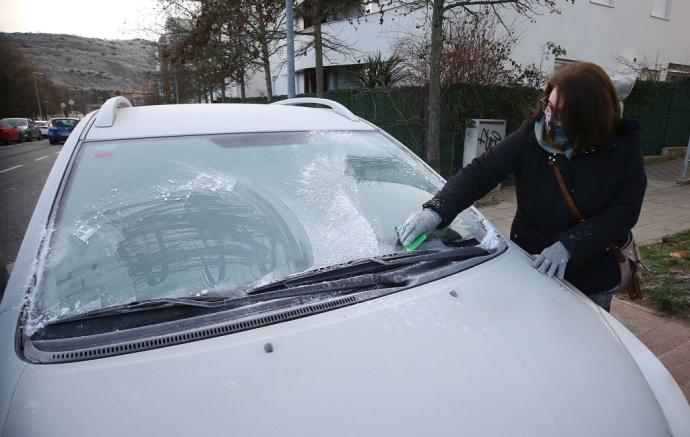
85 63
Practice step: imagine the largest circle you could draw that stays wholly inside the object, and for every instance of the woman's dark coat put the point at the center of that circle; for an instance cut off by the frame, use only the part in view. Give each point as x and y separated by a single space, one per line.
607 184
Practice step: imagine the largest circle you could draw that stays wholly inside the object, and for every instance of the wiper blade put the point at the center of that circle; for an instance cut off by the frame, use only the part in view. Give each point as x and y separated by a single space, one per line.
371 265
369 280
136 306
370 273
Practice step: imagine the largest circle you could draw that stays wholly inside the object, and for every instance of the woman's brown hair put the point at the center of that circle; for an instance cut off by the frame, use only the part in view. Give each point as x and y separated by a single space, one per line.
590 111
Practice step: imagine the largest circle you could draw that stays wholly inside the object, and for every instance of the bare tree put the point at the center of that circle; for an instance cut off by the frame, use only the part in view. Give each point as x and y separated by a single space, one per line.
440 10
534 74
642 68
473 53
228 38
315 13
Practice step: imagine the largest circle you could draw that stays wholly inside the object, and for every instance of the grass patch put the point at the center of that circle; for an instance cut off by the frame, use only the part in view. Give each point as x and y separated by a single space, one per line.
667 286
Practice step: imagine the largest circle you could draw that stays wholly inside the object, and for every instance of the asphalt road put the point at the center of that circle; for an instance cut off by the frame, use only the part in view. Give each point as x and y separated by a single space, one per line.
24 168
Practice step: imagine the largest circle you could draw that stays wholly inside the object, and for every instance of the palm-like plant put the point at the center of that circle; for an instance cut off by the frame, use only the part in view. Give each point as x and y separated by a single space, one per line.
378 73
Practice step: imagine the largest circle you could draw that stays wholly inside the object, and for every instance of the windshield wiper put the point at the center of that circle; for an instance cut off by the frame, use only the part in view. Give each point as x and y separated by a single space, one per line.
130 307
370 265
388 271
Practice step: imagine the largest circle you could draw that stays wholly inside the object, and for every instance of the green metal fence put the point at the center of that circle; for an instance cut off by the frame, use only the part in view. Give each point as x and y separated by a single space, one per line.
662 108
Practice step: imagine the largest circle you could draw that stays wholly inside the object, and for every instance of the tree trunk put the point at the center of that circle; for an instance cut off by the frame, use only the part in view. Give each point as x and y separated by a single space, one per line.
267 70
265 57
433 129
222 91
242 91
318 48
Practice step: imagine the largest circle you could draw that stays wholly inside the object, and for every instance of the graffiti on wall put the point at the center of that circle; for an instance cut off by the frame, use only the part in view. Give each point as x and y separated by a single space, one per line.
489 138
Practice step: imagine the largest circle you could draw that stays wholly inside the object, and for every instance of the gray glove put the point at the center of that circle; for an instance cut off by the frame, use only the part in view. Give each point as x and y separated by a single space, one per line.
552 260
425 220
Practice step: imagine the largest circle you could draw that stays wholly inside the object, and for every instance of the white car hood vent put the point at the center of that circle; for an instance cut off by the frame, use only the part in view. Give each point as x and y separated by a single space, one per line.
80 348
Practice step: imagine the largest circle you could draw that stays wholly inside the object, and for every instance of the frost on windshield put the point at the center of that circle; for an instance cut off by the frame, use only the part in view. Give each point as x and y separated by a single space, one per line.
338 232
34 280
176 217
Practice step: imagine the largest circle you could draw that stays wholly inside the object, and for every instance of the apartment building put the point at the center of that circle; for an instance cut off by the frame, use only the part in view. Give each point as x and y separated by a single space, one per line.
649 36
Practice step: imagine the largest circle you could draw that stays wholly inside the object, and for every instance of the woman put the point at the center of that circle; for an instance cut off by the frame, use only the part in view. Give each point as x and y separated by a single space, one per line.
577 127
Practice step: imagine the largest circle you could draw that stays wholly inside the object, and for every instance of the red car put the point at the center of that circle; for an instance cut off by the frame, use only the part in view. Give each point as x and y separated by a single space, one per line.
9 133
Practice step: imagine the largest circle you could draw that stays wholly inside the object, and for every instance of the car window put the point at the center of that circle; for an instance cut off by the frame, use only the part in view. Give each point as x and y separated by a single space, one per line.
64 123
14 122
174 217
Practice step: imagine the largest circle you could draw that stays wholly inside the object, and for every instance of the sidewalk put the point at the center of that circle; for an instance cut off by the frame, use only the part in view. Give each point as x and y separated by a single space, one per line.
666 207
666 210
669 340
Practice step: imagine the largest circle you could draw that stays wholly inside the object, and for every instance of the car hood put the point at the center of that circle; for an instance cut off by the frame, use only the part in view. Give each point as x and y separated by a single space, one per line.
515 353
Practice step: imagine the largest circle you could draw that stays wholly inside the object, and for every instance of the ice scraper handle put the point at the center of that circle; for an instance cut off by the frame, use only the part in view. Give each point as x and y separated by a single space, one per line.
423 222
552 260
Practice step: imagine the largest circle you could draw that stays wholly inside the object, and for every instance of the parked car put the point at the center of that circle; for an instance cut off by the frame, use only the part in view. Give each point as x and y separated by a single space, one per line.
43 127
235 269
60 128
8 133
26 127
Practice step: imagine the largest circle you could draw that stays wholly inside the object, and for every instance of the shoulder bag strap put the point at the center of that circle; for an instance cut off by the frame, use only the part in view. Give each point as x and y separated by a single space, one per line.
568 199
573 209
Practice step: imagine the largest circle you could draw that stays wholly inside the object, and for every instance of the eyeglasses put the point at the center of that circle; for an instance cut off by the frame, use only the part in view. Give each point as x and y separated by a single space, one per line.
546 105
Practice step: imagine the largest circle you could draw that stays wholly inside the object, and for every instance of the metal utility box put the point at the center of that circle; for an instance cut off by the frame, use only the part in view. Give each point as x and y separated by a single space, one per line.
480 135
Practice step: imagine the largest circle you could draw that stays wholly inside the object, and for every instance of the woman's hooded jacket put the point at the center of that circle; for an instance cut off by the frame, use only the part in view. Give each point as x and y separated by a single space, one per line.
607 185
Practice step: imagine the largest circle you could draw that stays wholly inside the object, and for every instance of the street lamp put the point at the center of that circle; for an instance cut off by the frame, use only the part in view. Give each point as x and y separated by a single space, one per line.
38 99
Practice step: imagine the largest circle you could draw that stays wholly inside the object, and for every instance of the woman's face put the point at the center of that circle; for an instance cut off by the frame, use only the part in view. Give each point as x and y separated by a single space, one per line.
552 103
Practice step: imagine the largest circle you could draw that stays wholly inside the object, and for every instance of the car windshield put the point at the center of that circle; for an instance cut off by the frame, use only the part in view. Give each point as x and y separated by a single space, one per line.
180 217
14 122
64 123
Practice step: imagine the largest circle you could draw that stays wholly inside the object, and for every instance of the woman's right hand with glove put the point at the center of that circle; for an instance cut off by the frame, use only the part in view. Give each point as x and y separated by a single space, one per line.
424 221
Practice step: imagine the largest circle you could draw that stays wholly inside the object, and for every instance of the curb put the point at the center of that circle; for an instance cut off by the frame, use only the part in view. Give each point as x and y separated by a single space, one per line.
667 153
641 308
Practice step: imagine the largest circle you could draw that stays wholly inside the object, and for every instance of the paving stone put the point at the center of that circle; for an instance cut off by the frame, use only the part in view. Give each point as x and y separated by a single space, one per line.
666 337
638 321
677 357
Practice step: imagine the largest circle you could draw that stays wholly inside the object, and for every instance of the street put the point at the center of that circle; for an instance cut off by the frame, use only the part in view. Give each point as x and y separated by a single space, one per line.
24 168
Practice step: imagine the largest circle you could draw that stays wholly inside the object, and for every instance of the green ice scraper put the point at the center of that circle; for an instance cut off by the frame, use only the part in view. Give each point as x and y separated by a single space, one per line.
417 241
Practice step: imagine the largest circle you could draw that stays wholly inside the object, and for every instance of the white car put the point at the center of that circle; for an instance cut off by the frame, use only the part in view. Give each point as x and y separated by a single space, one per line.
234 270
43 127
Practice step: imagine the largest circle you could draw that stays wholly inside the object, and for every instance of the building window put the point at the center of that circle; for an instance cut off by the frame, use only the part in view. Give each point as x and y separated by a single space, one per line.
332 11
677 72
559 63
661 9
650 74
608 3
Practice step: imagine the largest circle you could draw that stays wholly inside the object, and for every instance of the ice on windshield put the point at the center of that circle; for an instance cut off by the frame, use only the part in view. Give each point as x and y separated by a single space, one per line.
176 217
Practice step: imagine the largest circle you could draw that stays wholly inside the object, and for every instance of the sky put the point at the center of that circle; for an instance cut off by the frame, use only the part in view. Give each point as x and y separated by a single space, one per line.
107 19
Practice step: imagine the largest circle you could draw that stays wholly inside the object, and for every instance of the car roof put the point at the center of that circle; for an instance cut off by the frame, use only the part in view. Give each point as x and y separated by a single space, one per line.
219 118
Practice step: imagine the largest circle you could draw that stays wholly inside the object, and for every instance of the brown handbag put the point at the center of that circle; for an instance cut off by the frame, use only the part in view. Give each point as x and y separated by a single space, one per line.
628 256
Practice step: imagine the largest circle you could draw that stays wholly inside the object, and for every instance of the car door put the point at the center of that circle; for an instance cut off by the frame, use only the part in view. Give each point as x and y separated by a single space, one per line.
35 132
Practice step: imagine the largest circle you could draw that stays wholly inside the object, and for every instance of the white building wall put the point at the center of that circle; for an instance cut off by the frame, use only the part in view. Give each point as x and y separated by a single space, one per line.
593 32
588 30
